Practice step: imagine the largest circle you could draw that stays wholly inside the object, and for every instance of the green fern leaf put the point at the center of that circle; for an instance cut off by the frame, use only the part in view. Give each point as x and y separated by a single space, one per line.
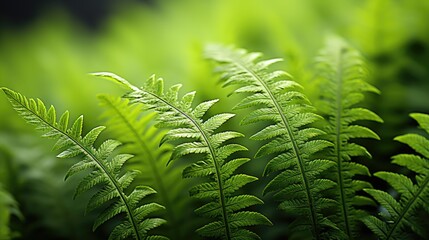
342 74
201 138
414 195
291 142
104 172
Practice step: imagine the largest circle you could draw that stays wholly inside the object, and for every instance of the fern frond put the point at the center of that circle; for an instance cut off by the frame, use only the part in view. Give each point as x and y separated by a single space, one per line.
343 86
104 169
291 143
414 195
133 126
195 136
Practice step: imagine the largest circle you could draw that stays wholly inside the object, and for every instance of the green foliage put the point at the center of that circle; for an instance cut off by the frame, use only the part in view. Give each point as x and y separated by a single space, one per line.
134 126
104 168
8 208
312 162
401 214
195 136
343 86
50 57
292 143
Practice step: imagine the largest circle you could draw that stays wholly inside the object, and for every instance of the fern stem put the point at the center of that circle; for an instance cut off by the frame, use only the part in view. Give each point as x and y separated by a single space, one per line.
344 209
91 155
294 144
215 163
158 179
406 208
220 184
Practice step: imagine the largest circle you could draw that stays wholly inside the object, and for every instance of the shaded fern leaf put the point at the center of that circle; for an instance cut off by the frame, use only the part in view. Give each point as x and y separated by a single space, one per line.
105 169
195 136
134 127
291 144
8 208
343 86
414 195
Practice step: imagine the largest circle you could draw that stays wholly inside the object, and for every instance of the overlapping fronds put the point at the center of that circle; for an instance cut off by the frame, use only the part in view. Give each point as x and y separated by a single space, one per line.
104 169
291 142
134 127
343 86
400 215
195 136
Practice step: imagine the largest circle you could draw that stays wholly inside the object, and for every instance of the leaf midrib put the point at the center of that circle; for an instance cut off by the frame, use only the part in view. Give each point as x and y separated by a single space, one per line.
338 145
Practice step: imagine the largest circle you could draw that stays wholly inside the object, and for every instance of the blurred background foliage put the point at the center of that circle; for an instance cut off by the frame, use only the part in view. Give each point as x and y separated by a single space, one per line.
48 47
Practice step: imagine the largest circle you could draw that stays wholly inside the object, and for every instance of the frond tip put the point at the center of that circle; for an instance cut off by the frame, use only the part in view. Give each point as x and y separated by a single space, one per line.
401 213
105 169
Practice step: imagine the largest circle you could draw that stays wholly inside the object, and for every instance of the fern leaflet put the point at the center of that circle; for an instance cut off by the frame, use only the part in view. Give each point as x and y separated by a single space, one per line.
413 195
342 77
292 143
105 169
197 136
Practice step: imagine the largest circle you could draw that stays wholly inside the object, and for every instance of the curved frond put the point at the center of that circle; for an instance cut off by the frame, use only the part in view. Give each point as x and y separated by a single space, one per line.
291 144
104 169
195 136
343 86
414 194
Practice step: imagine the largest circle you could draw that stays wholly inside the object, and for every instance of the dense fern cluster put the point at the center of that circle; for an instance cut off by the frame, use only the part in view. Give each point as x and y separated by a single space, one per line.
309 152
